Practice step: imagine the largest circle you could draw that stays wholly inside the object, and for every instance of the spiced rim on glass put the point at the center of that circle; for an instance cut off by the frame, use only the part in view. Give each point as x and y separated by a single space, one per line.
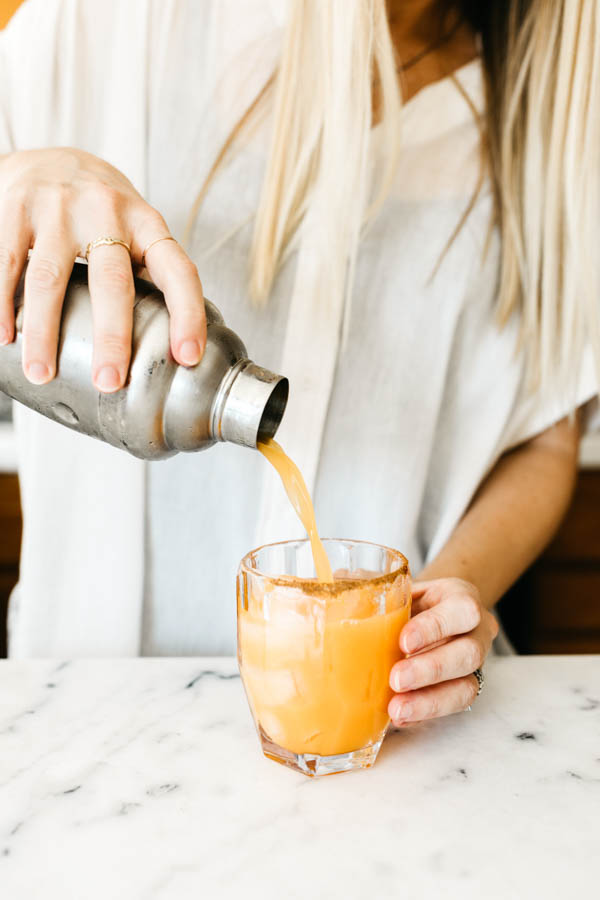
314 656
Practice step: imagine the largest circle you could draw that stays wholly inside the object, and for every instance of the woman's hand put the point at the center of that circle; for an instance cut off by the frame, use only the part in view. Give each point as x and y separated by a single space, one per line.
57 201
448 637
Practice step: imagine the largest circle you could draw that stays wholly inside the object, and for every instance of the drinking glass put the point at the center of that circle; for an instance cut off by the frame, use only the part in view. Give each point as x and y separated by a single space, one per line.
314 657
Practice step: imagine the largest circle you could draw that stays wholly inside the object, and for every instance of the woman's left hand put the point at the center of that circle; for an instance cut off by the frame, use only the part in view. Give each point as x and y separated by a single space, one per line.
448 637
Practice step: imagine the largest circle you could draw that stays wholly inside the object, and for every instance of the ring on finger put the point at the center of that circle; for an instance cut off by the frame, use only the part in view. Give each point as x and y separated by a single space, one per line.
166 237
480 682
105 242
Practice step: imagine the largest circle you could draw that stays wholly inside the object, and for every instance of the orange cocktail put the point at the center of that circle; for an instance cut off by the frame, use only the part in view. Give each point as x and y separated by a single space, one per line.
315 657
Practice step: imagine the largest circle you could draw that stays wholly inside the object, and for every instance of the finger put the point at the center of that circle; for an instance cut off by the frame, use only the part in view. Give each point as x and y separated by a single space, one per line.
456 613
113 292
431 592
174 273
420 604
15 239
432 702
459 657
46 279
426 594
418 588
404 724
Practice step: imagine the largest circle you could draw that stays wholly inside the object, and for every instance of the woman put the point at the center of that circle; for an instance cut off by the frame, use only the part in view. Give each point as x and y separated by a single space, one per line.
417 419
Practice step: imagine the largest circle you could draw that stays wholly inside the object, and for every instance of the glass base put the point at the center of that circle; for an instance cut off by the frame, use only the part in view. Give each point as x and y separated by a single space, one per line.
312 764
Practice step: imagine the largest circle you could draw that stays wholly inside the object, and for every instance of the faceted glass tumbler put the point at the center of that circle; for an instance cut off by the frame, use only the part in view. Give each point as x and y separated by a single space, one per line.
315 658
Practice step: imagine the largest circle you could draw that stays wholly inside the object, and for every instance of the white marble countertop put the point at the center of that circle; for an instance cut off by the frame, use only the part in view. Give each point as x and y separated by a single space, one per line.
143 780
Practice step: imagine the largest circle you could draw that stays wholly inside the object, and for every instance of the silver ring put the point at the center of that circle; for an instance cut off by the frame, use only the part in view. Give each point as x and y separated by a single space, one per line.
480 680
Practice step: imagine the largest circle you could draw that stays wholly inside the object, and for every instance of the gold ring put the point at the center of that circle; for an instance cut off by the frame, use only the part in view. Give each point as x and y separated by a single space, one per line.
105 242
167 237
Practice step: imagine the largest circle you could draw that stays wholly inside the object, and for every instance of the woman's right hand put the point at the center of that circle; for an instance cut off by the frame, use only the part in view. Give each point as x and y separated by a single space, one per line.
56 202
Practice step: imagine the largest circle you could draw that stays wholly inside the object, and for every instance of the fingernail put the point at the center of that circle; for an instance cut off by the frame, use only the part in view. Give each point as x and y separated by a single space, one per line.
4 336
402 711
38 373
412 642
108 379
189 353
402 681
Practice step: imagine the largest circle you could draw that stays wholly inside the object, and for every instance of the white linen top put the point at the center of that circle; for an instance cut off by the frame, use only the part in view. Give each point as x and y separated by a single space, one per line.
395 430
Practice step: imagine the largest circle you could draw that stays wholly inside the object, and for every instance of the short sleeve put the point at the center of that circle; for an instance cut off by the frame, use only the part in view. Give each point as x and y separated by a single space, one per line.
536 411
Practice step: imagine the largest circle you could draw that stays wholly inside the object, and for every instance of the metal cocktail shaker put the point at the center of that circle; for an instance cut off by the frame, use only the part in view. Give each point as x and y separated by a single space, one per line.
164 408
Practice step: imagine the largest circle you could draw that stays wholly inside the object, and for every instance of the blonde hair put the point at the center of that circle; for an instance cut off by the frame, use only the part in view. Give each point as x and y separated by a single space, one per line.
542 61
545 145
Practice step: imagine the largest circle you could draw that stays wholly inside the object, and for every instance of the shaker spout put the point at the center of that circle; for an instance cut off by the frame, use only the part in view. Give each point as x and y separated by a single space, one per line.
249 405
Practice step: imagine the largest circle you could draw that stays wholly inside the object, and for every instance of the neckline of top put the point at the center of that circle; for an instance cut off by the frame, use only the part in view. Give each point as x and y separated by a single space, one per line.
470 71
431 117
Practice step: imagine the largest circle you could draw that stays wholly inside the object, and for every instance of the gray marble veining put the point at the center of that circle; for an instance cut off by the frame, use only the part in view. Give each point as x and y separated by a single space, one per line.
144 779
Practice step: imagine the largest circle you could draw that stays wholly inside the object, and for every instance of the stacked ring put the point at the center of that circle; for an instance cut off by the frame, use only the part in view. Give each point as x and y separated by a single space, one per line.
105 242
167 237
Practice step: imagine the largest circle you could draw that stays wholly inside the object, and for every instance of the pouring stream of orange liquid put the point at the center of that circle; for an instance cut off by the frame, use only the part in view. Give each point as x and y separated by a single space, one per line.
295 488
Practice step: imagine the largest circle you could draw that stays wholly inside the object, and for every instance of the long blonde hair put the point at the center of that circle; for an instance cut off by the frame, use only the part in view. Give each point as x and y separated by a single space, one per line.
542 65
543 68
